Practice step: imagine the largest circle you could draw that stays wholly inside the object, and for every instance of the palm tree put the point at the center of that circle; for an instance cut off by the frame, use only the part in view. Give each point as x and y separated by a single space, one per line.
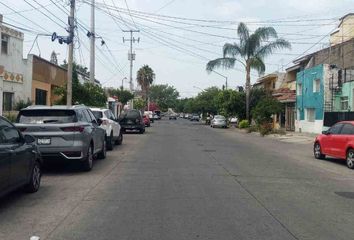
145 78
250 52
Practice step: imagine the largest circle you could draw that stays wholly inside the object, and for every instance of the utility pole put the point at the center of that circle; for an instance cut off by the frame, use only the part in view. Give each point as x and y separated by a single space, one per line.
92 43
71 53
223 77
131 55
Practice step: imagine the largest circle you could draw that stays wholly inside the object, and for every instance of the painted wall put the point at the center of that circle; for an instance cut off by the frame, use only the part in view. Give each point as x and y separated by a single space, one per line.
15 73
310 99
347 91
345 31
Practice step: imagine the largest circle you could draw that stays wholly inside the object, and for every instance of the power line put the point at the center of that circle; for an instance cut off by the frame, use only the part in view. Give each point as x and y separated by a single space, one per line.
126 4
45 30
164 6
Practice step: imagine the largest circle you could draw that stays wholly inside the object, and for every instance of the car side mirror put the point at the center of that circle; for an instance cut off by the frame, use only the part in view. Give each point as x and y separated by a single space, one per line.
29 139
325 132
99 121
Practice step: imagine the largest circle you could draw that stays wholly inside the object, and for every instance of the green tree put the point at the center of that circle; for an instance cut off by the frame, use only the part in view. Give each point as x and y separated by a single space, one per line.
164 96
251 51
145 77
88 93
123 95
139 103
264 110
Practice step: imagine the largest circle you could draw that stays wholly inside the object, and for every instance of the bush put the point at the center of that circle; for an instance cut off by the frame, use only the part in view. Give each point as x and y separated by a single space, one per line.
265 129
11 116
253 128
244 124
22 104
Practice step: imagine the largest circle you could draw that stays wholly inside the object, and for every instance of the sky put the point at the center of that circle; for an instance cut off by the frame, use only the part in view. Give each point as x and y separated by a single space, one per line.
177 37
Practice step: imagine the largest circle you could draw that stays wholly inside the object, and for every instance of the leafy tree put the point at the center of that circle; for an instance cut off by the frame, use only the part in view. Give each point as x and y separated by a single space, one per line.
164 96
145 77
139 103
250 52
88 93
206 102
123 95
264 110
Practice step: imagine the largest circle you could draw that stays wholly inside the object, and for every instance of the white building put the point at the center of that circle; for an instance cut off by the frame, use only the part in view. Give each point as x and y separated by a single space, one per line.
15 75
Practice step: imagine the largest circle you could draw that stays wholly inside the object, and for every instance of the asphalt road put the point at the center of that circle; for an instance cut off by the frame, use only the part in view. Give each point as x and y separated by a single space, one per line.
183 180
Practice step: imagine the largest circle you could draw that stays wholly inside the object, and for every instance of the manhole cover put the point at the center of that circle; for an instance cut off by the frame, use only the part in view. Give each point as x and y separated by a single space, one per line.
349 195
209 150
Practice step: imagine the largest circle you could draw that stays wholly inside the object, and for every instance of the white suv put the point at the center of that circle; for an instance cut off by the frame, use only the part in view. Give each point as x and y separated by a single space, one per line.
111 125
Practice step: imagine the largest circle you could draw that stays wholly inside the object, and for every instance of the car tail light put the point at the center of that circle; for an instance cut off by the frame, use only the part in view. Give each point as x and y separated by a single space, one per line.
73 129
22 129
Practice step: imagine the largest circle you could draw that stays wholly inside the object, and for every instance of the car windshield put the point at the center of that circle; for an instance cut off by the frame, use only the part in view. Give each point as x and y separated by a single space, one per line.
218 117
97 114
37 116
130 114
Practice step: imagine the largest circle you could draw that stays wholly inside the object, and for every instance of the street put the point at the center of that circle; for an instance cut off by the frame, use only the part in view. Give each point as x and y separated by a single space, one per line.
183 180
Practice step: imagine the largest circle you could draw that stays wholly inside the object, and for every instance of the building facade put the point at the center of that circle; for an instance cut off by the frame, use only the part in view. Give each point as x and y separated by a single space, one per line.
15 75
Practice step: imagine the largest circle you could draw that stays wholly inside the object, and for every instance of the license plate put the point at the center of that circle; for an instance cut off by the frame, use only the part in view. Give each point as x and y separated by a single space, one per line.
43 141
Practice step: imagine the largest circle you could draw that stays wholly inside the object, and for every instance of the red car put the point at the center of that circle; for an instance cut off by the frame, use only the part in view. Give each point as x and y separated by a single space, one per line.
147 121
338 142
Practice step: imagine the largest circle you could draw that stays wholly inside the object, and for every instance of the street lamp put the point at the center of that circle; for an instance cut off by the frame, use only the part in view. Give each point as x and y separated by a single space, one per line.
122 82
221 76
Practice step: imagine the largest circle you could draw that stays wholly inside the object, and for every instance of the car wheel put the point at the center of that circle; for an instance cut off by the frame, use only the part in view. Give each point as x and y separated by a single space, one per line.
142 131
35 180
120 139
350 159
102 154
87 164
110 142
317 152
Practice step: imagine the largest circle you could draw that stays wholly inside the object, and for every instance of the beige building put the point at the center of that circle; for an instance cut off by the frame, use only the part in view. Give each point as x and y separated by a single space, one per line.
345 30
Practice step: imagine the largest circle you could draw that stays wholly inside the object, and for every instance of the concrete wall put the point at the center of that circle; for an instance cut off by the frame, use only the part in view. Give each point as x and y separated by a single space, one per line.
15 73
345 31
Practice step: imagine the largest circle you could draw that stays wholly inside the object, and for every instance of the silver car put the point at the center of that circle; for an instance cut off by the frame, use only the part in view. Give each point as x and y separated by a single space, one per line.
218 121
61 132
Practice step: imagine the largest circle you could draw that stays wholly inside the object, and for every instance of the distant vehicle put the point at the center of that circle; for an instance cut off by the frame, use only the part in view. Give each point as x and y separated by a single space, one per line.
172 116
186 116
20 160
62 132
146 120
132 120
150 114
158 113
234 121
181 115
194 117
338 142
111 125
218 121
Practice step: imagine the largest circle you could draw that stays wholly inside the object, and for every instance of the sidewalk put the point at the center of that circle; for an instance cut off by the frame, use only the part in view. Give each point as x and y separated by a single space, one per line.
291 137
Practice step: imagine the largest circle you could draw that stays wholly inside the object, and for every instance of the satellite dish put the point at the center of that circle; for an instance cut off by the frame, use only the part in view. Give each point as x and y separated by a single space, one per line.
54 36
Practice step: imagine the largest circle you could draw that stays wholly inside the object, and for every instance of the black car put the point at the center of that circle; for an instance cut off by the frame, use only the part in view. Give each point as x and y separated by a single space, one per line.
20 160
132 120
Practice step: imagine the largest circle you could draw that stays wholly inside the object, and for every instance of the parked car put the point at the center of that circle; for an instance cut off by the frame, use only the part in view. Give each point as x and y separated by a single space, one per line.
338 142
111 125
195 117
146 120
20 160
132 120
62 132
150 114
218 121
172 116
234 121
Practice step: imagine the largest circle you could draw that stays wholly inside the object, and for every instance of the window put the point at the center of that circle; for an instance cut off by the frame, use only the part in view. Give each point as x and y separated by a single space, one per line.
41 97
36 116
92 117
310 114
299 89
344 103
348 129
98 114
335 129
4 43
7 101
87 117
8 133
316 85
